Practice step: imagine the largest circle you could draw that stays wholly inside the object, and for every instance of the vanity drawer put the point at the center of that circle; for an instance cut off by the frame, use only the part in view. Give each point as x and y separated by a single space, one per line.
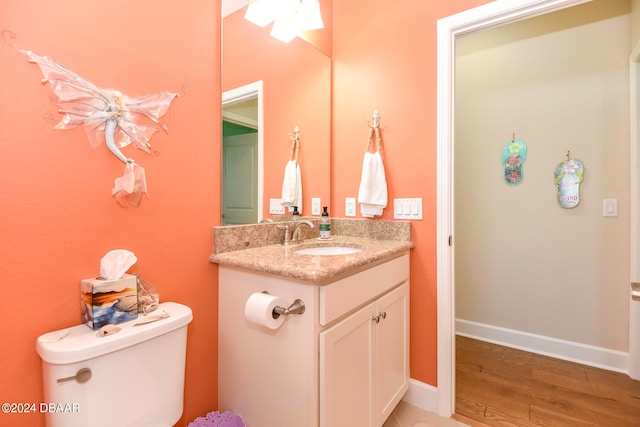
339 298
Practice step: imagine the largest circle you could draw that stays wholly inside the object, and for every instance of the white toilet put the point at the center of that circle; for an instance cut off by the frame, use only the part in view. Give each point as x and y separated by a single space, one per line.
134 377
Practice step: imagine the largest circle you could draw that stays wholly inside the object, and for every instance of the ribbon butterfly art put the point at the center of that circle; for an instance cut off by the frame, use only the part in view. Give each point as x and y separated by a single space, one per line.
107 116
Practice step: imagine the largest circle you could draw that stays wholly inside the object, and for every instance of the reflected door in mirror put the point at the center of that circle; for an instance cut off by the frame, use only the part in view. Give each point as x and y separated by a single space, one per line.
240 179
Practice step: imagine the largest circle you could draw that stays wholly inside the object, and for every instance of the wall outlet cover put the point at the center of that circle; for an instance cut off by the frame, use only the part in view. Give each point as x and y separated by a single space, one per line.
350 206
315 206
275 206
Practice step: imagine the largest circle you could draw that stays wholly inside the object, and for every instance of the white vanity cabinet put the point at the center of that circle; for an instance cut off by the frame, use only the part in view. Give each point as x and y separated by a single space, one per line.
364 363
344 362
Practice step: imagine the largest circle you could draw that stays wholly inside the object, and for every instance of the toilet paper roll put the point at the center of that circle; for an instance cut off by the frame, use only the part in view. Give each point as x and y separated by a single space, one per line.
259 310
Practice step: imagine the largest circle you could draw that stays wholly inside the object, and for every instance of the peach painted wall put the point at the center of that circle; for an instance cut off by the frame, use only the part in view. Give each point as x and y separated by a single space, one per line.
297 91
384 56
57 217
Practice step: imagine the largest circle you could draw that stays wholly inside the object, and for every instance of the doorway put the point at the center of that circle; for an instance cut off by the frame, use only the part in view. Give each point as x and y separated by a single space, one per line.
487 16
242 155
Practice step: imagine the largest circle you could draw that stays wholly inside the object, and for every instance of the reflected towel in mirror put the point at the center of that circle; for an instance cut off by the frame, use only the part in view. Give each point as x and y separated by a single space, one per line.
292 185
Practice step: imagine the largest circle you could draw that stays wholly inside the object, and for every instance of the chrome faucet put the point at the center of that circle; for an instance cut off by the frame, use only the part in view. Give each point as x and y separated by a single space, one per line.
295 236
287 236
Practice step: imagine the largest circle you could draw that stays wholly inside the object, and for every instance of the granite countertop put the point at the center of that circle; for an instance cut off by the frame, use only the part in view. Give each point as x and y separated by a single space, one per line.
284 261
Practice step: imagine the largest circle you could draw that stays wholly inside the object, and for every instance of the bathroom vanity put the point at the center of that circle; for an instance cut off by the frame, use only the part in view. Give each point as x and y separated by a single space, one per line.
343 362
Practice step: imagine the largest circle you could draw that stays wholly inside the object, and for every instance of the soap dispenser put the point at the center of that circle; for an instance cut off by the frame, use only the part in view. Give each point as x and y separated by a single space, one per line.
295 215
325 224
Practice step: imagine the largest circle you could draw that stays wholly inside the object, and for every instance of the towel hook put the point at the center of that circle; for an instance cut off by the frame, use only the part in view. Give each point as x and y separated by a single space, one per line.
568 155
375 130
295 144
376 120
296 134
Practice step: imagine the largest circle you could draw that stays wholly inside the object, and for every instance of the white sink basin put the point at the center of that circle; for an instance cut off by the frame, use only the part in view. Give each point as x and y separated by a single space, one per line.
329 250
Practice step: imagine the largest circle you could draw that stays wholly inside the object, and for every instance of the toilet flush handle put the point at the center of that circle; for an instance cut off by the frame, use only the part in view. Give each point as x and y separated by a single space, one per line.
82 376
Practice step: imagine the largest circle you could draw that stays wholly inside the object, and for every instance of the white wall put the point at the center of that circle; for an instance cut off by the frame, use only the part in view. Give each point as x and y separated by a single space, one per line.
560 82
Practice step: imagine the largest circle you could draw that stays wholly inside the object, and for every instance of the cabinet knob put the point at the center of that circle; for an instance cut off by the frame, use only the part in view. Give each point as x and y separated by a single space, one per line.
381 315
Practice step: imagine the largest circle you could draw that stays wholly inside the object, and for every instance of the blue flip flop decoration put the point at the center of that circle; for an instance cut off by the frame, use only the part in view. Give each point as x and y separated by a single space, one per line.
514 153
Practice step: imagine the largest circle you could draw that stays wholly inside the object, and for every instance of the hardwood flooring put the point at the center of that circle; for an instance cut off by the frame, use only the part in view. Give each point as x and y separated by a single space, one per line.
501 386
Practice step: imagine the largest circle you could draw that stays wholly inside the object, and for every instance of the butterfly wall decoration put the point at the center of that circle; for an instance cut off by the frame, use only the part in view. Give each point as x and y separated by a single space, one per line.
107 116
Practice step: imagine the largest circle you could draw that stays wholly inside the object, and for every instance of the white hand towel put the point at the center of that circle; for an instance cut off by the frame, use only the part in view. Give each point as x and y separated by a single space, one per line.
298 202
289 184
373 186
292 185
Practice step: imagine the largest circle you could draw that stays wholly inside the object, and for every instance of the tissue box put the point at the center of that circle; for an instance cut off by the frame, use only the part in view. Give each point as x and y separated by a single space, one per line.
105 301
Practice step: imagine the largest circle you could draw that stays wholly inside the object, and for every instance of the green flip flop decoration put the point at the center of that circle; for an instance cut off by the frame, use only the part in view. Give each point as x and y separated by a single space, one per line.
514 153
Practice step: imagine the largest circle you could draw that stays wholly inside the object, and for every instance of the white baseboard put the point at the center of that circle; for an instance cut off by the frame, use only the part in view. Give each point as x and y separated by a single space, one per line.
599 357
421 395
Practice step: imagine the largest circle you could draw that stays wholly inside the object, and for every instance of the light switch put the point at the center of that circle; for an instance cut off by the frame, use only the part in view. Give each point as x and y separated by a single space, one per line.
415 205
610 207
407 208
397 209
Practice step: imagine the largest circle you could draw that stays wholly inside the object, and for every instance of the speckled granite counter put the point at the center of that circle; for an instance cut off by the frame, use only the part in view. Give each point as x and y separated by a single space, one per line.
379 241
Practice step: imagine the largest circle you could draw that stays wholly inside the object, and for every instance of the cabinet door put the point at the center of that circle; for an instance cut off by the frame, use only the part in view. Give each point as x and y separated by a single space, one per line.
391 352
345 371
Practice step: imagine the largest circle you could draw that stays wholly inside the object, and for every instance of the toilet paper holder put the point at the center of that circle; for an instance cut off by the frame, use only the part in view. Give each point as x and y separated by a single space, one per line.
635 291
297 307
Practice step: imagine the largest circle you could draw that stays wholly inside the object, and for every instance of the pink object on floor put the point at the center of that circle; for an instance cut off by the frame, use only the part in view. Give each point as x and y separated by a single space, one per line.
216 419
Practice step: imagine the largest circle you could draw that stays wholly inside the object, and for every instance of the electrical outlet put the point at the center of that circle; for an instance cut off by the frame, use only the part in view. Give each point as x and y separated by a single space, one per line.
350 206
315 206
275 206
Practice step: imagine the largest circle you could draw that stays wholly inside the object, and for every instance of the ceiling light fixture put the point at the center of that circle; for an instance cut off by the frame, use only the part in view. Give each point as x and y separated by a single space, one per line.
290 16
309 15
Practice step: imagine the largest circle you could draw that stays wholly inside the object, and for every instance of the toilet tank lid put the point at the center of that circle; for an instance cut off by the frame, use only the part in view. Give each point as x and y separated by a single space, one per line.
79 343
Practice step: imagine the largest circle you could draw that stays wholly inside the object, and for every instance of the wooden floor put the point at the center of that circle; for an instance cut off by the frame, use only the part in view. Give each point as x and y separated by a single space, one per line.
501 386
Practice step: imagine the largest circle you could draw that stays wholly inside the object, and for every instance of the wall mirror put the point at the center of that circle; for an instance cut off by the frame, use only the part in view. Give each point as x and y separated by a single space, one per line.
270 87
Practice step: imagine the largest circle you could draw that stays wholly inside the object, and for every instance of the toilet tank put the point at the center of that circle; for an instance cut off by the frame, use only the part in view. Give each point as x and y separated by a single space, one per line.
137 374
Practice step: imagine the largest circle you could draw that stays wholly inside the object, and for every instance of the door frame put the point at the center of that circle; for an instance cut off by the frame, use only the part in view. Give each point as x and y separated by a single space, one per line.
634 133
634 205
486 16
240 94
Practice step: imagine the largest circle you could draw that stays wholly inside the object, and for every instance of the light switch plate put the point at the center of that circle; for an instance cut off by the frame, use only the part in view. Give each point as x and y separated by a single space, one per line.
350 206
275 206
407 208
609 207
315 206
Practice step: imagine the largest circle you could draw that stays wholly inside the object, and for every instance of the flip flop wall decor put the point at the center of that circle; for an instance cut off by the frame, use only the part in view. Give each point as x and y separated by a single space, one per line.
514 153
568 176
